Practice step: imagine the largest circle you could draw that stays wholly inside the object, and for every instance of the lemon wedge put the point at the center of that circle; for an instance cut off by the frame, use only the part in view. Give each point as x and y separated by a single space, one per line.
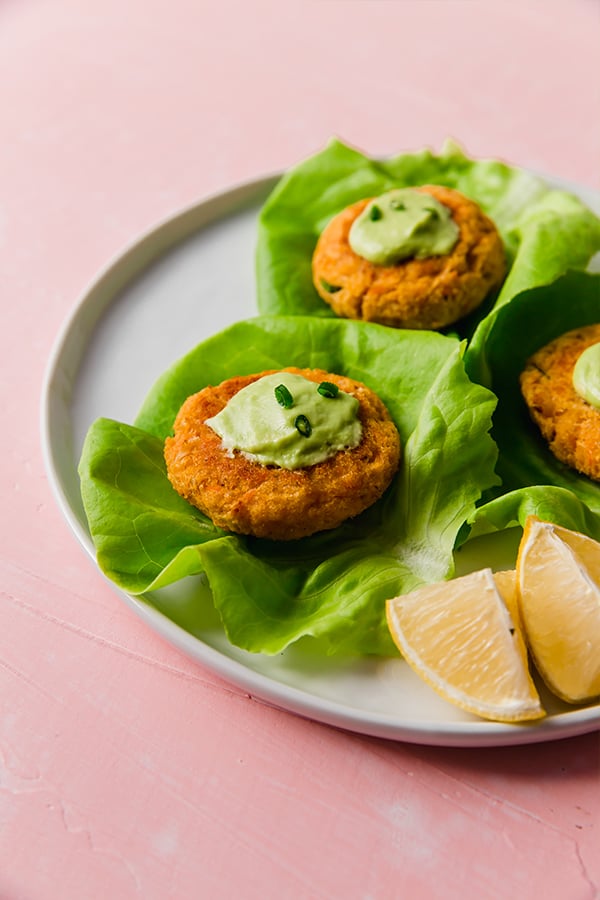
464 638
558 590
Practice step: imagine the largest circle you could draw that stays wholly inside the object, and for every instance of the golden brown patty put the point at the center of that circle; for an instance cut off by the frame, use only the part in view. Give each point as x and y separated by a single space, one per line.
416 293
267 501
570 425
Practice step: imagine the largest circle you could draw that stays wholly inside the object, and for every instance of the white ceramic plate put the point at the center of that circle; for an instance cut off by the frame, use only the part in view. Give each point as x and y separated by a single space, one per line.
185 280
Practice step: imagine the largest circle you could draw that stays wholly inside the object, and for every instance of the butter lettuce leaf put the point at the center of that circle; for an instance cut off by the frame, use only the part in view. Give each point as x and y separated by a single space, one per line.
333 585
545 231
548 502
533 480
139 524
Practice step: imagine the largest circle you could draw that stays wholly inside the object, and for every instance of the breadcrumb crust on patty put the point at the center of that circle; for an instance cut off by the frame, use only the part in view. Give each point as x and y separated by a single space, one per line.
425 293
569 424
243 496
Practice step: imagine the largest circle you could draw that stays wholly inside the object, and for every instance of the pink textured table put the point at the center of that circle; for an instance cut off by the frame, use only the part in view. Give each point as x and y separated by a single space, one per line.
127 769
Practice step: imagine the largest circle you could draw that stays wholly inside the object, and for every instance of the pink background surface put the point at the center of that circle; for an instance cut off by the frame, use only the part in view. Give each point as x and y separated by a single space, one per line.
126 770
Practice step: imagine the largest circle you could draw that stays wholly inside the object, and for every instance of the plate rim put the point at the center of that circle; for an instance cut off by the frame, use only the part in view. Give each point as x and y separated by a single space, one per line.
101 291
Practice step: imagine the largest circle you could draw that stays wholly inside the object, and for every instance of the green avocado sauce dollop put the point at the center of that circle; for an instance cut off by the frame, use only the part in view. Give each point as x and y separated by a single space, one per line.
586 375
400 224
287 420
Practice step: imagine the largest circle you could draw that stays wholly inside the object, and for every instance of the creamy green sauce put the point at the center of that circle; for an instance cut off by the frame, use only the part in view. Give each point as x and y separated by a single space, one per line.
305 431
586 375
400 224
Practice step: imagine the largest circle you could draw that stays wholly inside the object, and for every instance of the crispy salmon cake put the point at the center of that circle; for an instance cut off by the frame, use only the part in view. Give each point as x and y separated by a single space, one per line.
425 293
243 496
569 424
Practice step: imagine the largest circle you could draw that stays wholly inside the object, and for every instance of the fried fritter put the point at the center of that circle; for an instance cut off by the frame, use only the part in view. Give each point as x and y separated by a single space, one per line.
243 496
570 425
416 293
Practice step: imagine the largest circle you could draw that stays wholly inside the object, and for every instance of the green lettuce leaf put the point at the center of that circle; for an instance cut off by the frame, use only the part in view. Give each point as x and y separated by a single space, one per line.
545 231
331 586
547 502
533 480
143 531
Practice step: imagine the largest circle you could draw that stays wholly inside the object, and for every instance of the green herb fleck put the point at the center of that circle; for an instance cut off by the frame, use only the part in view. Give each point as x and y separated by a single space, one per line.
303 426
283 396
375 213
398 205
330 288
432 212
329 390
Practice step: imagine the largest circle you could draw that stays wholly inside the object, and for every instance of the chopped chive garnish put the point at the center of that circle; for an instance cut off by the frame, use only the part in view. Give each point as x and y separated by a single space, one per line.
330 288
283 396
303 426
329 390
375 213
398 205
432 212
